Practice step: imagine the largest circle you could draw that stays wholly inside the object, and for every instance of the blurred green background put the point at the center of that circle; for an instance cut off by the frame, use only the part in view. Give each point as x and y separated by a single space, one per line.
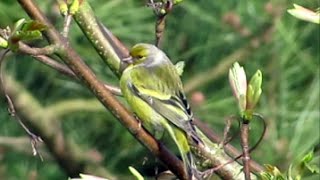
207 35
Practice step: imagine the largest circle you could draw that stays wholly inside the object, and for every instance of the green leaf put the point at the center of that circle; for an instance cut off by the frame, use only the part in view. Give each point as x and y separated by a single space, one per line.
179 67
135 173
3 43
33 26
25 31
74 7
304 14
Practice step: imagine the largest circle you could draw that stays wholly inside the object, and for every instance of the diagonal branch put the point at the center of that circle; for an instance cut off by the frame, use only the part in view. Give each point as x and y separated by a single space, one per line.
86 76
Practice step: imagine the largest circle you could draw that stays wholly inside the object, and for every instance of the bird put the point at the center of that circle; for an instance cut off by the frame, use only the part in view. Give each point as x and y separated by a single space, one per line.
153 89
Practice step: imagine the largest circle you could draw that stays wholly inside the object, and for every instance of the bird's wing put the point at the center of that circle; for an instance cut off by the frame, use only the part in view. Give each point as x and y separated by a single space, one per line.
166 99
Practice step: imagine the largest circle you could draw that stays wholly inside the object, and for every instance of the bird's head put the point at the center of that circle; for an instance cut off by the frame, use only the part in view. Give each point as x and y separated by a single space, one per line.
144 54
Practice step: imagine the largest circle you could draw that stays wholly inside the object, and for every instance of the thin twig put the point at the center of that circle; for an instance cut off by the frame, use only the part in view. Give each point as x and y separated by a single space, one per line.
39 54
12 111
233 135
63 69
229 148
47 50
251 163
66 25
225 140
68 72
158 8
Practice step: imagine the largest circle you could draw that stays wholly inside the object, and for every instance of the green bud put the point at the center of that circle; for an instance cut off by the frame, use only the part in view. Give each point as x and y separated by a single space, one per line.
179 67
25 30
3 43
177 1
74 7
272 172
304 14
238 82
63 7
18 25
162 11
88 177
136 173
254 90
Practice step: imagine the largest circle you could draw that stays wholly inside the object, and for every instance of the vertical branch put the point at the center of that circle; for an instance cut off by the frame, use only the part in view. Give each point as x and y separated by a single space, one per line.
161 11
160 26
245 149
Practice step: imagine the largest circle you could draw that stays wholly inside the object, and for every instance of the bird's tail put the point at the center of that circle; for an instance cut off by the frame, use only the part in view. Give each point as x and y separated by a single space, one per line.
193 135
185 152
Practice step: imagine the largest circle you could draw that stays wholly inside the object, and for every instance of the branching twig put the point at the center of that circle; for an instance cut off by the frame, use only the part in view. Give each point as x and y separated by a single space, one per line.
39 54
12 111
229 148
68 72
69 155
161 11
21 144
47 50
225 139
86 76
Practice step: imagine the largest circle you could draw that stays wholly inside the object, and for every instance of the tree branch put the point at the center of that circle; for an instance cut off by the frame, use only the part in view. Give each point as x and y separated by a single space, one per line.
112 51
85 75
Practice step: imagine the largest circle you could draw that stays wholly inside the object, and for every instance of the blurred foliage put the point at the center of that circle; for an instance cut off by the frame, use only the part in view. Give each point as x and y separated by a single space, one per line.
296 171
201 33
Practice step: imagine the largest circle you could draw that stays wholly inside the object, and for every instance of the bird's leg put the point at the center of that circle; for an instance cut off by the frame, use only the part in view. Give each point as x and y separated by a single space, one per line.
138 120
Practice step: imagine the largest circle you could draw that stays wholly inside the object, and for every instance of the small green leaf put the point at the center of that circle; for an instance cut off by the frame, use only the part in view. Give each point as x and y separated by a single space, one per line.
135 173
308 157
87 177
33 26
177 1
63 7
272 173
25 31
3 43
254 90
17 26
306 163
179 67
74 7
304 14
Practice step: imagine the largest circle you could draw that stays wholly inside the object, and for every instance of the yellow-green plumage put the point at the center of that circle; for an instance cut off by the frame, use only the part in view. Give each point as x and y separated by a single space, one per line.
152 87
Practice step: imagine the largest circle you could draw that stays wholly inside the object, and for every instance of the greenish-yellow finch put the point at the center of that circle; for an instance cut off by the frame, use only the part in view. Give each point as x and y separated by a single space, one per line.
152 87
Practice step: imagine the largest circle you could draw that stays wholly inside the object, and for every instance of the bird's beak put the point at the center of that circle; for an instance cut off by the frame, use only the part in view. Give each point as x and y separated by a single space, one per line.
128 60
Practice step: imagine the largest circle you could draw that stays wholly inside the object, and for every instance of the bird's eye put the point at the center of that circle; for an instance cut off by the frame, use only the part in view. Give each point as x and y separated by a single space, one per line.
139 56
